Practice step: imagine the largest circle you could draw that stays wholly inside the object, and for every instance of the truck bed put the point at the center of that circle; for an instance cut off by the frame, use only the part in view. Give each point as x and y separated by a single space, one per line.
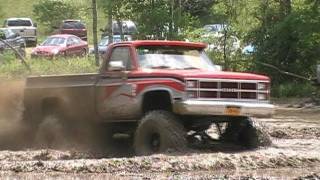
75 94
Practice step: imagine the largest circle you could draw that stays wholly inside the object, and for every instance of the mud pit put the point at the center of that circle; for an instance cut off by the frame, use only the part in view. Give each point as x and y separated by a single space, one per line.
295 152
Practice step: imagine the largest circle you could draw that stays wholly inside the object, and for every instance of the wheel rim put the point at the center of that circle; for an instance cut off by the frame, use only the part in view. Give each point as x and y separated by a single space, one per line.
155 142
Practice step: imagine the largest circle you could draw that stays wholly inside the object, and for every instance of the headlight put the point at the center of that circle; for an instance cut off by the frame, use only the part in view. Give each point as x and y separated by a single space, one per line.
55 51
192 84
262 96
262 86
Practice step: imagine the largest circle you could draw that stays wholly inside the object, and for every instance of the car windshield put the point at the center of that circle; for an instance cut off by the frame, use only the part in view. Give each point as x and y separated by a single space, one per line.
104 41
73 25
19 23
54 41
159 57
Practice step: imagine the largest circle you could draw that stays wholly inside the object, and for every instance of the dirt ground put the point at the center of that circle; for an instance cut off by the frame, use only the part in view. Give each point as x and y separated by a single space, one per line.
295 153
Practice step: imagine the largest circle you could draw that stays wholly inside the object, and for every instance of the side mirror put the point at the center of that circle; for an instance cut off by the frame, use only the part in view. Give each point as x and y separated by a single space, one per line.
218 67
116 66
318 74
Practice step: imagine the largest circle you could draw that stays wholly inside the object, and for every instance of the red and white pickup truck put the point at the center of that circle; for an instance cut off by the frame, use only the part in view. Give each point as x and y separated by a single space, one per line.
165 94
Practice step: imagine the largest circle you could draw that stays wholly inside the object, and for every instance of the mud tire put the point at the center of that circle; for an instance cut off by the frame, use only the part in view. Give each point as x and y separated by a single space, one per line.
51 133
165 125
246 132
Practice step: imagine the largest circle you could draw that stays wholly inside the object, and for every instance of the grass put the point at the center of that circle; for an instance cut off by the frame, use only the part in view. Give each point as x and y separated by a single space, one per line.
11 68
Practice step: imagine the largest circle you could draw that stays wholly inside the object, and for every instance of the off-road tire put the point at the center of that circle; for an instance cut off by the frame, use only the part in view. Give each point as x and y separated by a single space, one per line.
171 133
246 132
51 133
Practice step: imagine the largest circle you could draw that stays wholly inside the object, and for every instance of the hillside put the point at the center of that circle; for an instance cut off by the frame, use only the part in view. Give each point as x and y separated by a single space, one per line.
16 8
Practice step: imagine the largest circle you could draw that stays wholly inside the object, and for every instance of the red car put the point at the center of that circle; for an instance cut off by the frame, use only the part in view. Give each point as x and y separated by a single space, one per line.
74 27
61 45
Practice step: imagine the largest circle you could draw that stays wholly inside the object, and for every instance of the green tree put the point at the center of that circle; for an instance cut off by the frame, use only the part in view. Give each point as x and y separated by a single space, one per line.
51 12
288 37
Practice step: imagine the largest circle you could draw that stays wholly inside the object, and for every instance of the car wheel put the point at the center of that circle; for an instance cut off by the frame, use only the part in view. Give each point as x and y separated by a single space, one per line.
83 53
159 131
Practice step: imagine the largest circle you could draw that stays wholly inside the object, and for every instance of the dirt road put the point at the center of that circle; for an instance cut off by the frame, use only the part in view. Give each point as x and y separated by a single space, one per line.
295 153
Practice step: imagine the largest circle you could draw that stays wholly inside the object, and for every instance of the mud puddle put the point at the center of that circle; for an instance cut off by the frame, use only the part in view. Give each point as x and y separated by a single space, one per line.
295 153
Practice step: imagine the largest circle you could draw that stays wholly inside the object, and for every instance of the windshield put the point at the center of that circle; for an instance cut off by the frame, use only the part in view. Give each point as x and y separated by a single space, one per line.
104 41
54 41
19 23
73 25
159 57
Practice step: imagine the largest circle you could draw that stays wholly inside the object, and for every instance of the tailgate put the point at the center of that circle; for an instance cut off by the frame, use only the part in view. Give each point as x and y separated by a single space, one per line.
24 31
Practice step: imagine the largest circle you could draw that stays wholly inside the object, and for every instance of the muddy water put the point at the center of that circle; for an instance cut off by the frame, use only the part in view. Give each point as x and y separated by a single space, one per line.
295 153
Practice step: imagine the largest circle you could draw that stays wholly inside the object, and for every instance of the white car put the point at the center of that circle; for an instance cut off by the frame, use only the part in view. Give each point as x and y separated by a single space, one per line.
24 27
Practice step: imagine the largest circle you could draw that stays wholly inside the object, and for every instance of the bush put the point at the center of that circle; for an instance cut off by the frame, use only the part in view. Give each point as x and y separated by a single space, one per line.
293 90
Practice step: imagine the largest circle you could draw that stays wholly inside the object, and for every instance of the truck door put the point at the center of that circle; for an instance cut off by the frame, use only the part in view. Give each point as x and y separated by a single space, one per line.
115 96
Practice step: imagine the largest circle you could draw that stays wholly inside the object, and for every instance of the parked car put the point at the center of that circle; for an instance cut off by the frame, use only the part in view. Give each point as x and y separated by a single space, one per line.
103 45
13 39
25 27
74 27
248 49
61 45
128 28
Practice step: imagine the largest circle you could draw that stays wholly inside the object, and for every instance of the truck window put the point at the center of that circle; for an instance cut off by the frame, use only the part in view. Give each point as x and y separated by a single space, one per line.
19 23
121 54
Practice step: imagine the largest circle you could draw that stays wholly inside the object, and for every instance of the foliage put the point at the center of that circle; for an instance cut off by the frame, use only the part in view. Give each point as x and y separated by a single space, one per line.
289 39
51 12
293 90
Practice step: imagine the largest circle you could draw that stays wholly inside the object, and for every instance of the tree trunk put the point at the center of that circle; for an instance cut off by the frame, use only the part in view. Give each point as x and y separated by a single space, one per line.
110 24
95 32
23 61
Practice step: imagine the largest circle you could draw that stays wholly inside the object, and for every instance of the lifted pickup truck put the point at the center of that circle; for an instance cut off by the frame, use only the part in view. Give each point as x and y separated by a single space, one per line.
166 94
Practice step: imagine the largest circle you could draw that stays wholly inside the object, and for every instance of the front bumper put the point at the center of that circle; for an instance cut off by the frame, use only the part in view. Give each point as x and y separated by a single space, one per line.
222 108
30 38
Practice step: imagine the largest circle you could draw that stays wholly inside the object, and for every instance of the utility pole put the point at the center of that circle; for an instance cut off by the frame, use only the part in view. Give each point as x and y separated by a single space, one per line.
95 31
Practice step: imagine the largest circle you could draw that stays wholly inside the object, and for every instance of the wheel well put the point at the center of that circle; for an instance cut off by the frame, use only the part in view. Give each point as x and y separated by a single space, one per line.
157 100
51 105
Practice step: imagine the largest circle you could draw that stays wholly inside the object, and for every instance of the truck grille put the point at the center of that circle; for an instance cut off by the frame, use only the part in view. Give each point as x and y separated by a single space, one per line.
224 89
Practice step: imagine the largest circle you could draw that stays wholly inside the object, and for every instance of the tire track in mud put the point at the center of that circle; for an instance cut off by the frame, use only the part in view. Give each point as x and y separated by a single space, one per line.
163 163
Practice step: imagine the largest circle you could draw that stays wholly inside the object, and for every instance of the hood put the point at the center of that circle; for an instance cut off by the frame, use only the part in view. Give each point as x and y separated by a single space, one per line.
183 74
48 48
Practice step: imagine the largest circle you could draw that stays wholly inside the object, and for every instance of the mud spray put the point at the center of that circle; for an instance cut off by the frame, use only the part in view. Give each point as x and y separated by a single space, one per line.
11 109
82 136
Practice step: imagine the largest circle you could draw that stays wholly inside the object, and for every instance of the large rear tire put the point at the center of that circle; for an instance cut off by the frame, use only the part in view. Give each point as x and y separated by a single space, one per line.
246 132
159 131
